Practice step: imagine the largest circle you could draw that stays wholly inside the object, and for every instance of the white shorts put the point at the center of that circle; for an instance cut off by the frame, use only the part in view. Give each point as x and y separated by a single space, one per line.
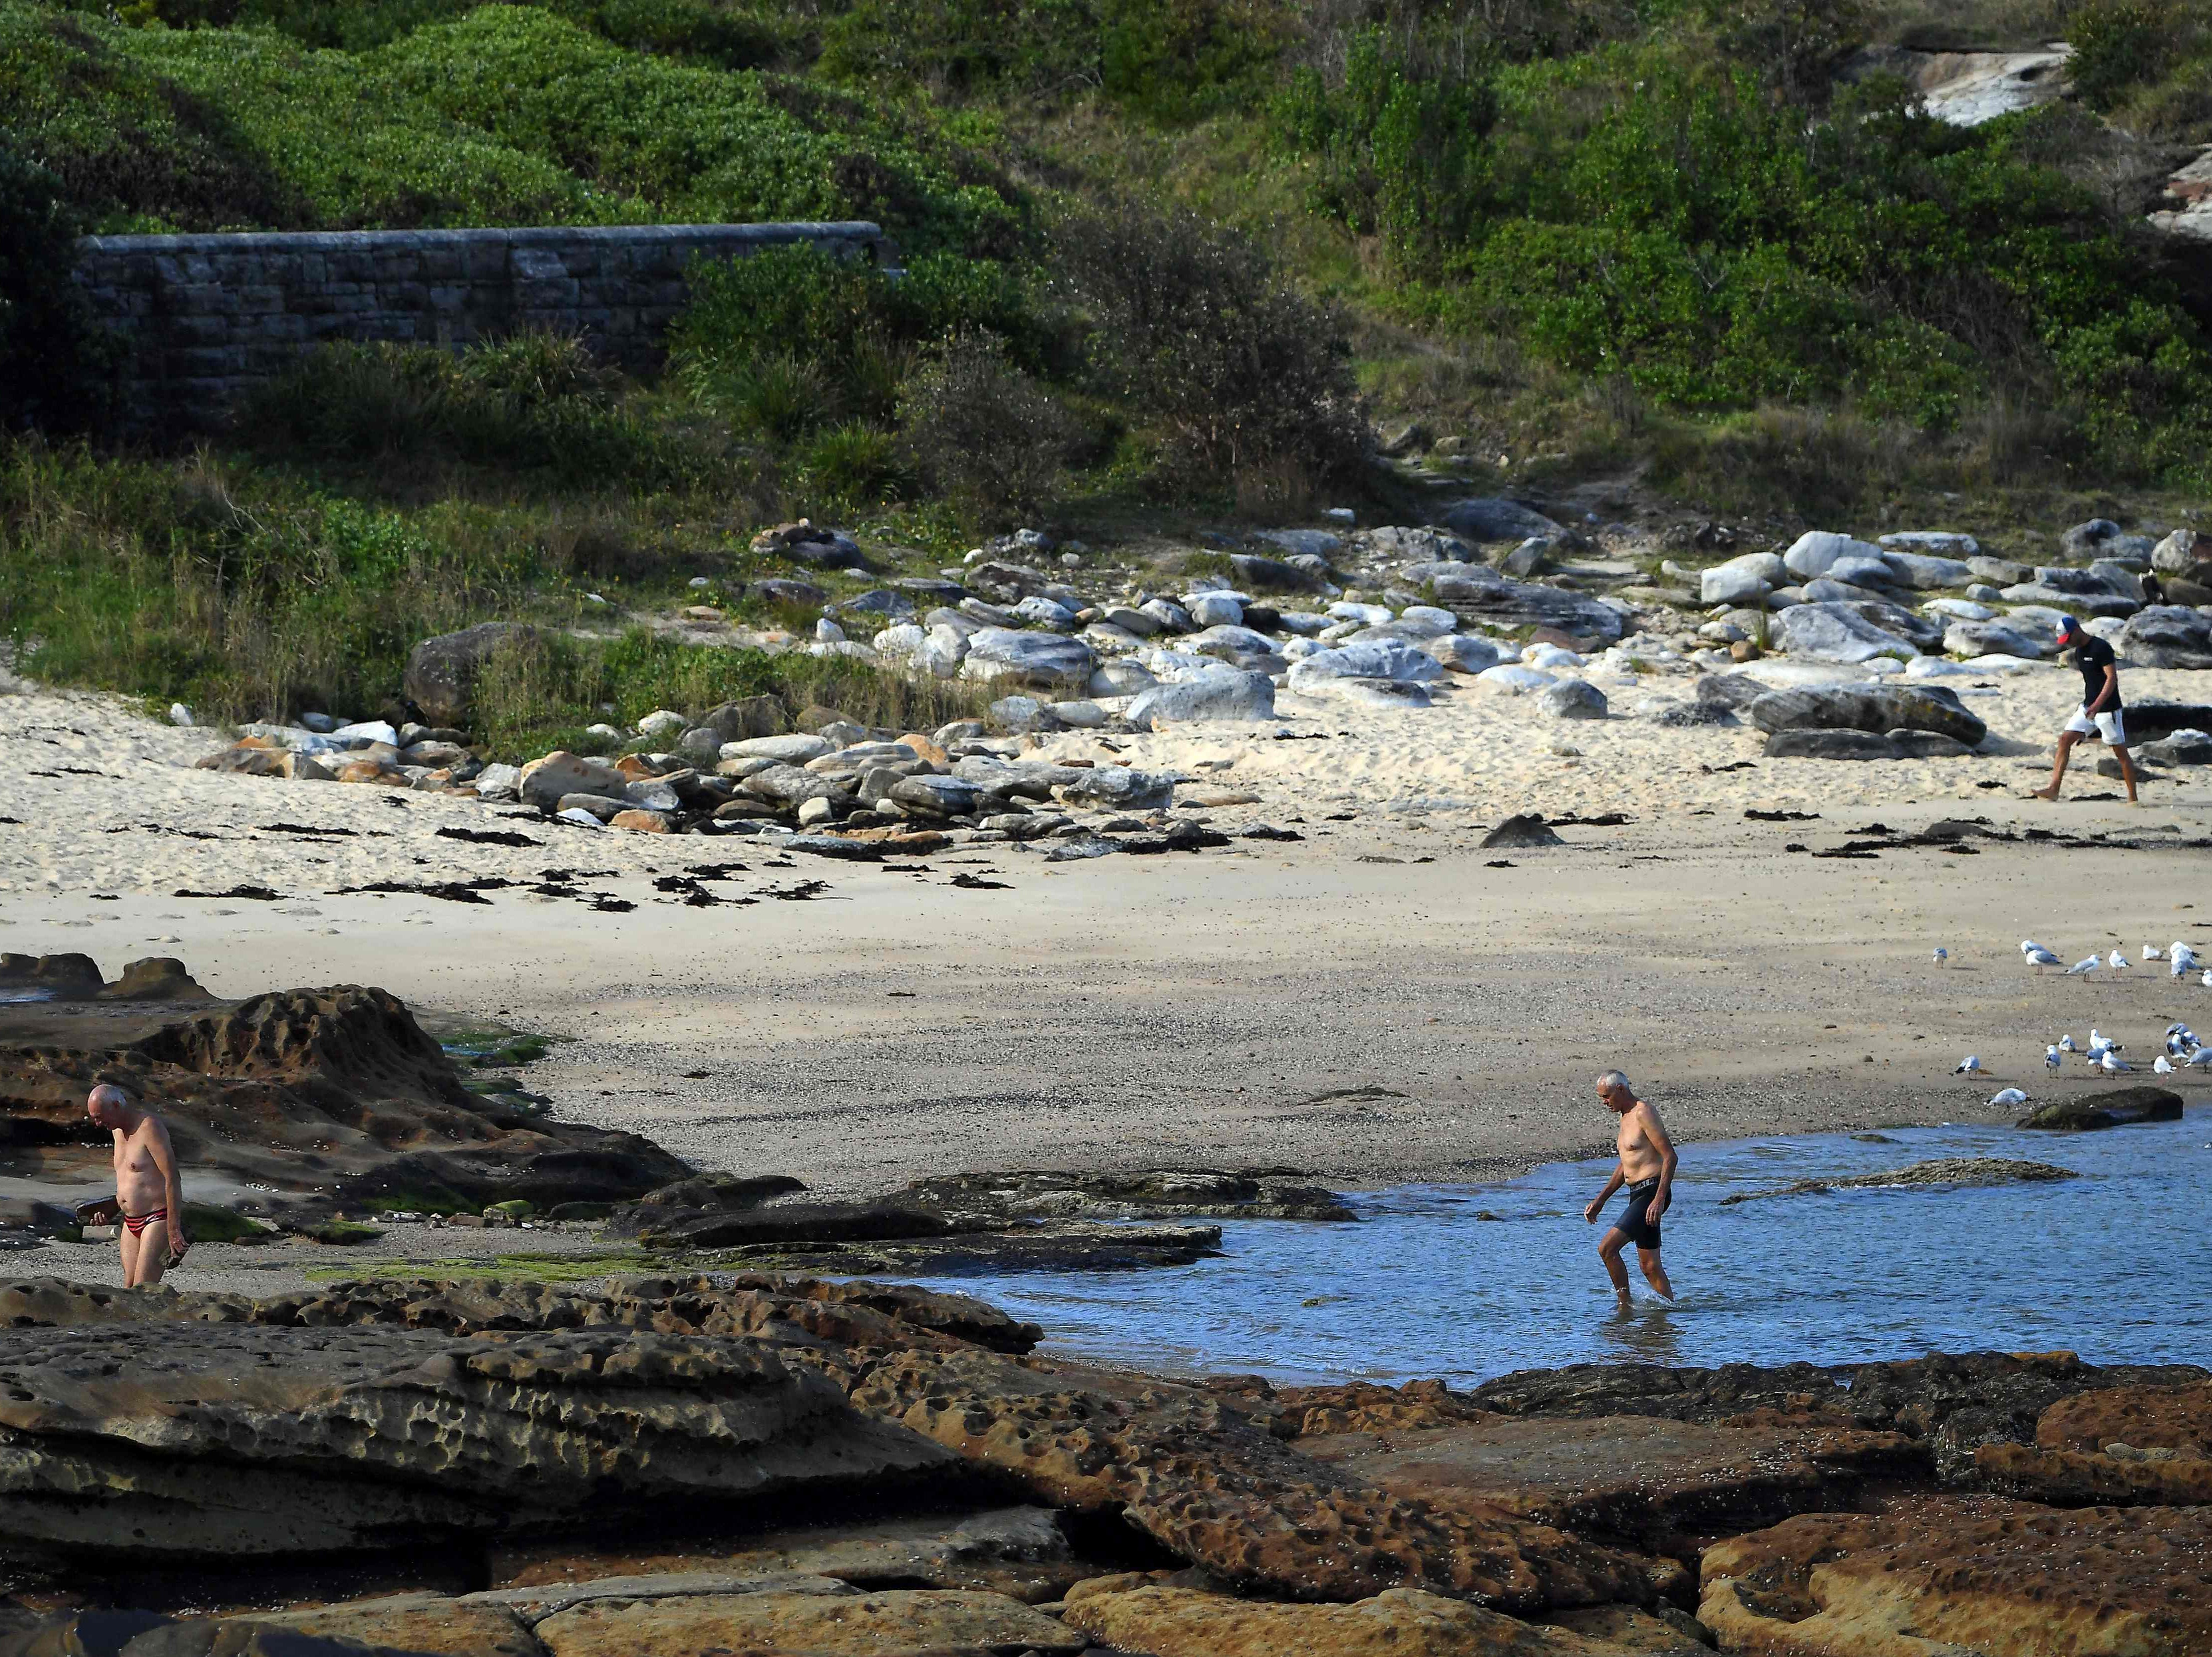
2110 726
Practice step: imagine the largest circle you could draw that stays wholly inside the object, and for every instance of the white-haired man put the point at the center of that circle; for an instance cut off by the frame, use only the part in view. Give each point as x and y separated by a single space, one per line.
148 1203
1647 1168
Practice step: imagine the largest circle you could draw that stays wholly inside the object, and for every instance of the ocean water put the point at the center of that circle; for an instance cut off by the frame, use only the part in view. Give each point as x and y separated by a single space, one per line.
2116 1265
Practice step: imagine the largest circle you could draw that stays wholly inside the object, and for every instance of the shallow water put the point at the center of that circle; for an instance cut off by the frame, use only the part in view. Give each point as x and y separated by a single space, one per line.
2115 1265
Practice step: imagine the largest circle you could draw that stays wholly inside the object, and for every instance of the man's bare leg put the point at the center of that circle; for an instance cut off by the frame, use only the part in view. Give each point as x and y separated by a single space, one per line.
128 1246
1654 1273
2127 768
153 1254
2066 742
1609 1251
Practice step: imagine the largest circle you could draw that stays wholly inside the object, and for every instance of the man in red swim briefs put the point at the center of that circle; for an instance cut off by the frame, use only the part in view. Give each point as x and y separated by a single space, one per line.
149 1197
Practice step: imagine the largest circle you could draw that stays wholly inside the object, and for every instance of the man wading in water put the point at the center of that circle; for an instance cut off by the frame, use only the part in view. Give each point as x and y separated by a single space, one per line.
1647 1168
148 1204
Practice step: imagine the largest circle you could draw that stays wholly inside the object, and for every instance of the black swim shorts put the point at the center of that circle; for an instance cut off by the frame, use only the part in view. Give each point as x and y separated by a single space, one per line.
1635 1223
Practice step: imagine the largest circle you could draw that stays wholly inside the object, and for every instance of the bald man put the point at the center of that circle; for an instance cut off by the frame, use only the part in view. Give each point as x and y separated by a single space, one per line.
149 1197
1647 1168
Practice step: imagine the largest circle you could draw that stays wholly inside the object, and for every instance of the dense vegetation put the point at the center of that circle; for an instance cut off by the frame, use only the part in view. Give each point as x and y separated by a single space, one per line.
1156 251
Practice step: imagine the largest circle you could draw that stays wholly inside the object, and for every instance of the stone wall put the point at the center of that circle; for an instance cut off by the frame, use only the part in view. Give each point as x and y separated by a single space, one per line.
208 317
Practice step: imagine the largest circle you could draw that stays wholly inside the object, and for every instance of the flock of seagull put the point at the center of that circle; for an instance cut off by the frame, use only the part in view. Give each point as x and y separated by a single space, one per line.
2183 1049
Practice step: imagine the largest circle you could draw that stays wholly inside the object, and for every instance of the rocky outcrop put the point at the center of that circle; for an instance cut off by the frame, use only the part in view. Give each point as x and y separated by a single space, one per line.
1147 1194
1953 1403
77 978
2122 1447
1939 1171
239 1439
1211 1485
1987 1575
1129 1614
333 1089
1655 1481
2114 1109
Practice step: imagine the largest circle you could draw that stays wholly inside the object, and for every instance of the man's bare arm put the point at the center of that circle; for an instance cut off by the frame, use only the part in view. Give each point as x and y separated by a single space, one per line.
1655 1132
165 1159
1589 1213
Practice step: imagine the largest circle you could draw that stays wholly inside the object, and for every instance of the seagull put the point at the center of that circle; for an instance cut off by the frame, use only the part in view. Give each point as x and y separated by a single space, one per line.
2039 957
2200 1058
2180 957
2066 1044
2051 1059
2207 979
2099 1043
2117 961
2029 946
1970 1066
2153 953
2089 966
2162 1065
2009 1096
2112 1063
1941 955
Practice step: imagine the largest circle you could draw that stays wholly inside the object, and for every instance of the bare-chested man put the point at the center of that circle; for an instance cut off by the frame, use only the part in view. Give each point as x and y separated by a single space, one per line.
150 1199
1647 1168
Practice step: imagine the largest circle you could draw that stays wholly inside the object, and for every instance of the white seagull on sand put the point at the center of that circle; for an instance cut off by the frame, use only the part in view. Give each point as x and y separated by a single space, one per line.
2200 1058
2066 1044
1941 954
2117 961
2039 957
1968 1066
2153 953
2180 958
2111 1064
2162 1065
2089 966
2051 1059
2009 1096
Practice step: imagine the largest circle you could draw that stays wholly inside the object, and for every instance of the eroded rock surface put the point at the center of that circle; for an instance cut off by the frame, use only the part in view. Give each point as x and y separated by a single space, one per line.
1941 1575
329 1089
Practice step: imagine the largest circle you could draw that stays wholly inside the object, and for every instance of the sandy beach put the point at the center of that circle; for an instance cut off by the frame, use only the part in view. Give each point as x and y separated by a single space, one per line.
1377 1003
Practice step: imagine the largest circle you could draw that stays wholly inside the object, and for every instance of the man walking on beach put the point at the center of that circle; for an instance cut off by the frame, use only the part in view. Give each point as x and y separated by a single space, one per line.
1647 1168
150 1199
2100 714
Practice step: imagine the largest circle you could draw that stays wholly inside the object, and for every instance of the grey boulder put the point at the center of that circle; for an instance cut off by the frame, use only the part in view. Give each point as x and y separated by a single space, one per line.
441 672
545 782
1277 575
1383 658
1876 709
1464 653
1919 569
2003 637
1491 518
1224 696
1045 661
1813 553
1836 632
1572 698
1741 580
2168 635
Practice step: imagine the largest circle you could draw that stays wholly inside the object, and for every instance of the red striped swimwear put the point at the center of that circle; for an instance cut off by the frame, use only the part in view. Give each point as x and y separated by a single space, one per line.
135 1223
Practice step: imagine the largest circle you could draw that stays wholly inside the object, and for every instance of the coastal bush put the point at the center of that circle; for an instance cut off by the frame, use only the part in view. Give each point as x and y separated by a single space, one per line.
980 430
1196 331
533 402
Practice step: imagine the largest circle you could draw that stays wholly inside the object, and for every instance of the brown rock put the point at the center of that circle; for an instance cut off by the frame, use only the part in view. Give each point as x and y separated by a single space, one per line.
250 757
2124 1476
1173 1622
410 1622
641 822
1665 1632
885 1625
636 768
238 1440
1210 1484
371 771
307 1089
2162 1417
1625 1476
1939 1574
925 747
157 977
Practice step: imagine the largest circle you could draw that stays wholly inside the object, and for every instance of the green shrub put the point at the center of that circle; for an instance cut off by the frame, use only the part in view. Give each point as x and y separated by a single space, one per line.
529 403
2118 44
979 429
1197 333
853 466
